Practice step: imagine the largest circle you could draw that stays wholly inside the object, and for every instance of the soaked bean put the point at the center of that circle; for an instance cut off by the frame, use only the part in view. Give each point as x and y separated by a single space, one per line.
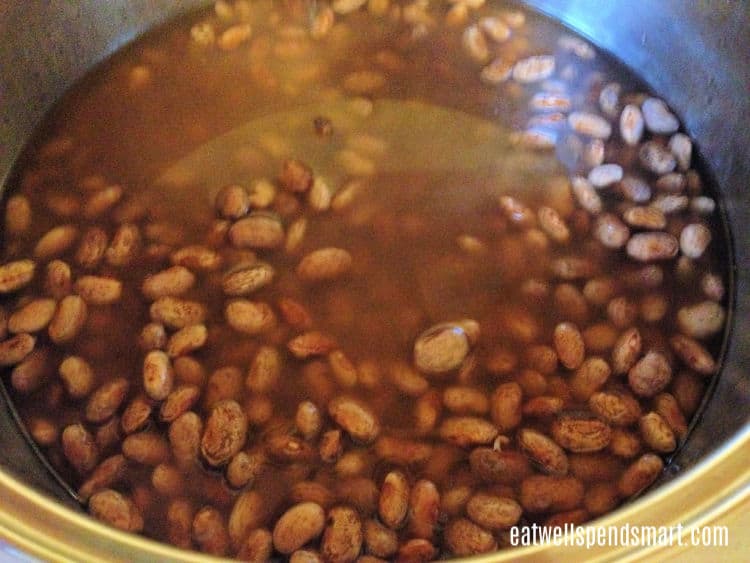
324 264
650 375
586 195
694 239
543 451
185 438
146 447
658 118
467 431
610 231
424 509
647 247
186 340
589 124
464 538
617 408
682 149
310 344
77 376
631 124
297 526
693 354
609 99
225 432
393 504
43 432
58 282
196 257
569 345
605 175
701 320
655 158
581 434
533 69
656 433
32 317
115 509
355 418
106 399
444 347
475 44
55 242
124 247
209 531
158 375
342 538
79 448
259 230
16 275
493 466
98 290
171 282
380 540
553 225
542 493
493 512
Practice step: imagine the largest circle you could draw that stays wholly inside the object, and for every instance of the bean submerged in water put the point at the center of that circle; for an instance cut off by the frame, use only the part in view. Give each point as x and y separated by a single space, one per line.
295 366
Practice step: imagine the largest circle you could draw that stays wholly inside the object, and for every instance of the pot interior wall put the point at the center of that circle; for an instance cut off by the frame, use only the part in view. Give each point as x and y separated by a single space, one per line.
693 53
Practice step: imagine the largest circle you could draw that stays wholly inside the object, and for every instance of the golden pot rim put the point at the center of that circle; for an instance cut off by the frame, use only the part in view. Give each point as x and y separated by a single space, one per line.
43 527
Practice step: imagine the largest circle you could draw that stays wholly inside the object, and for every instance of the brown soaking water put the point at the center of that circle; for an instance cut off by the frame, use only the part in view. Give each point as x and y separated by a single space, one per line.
298 279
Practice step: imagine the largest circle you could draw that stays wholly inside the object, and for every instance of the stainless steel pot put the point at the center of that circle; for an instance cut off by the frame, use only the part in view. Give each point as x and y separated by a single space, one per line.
694 53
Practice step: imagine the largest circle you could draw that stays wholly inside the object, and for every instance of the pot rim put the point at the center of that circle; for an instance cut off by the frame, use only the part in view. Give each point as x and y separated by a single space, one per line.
44 528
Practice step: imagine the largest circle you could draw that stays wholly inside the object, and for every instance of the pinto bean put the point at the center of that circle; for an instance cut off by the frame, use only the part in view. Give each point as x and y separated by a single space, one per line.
505 406
444 347
116 510
543 451
98 290
210 532
656 433
177 313
79 448
185 438
465 538
380 540
225 432
355 418
626 351
502 467
569 345
179 518
467 431
136 414
148 448
105 401
650 375
542 493
393 504
342 538
640 474
424 509
581 434
493 512
171 282
402 451
30 374
693 354
158 375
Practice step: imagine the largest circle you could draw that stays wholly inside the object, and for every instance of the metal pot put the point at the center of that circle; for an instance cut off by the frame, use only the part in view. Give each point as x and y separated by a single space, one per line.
693 53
